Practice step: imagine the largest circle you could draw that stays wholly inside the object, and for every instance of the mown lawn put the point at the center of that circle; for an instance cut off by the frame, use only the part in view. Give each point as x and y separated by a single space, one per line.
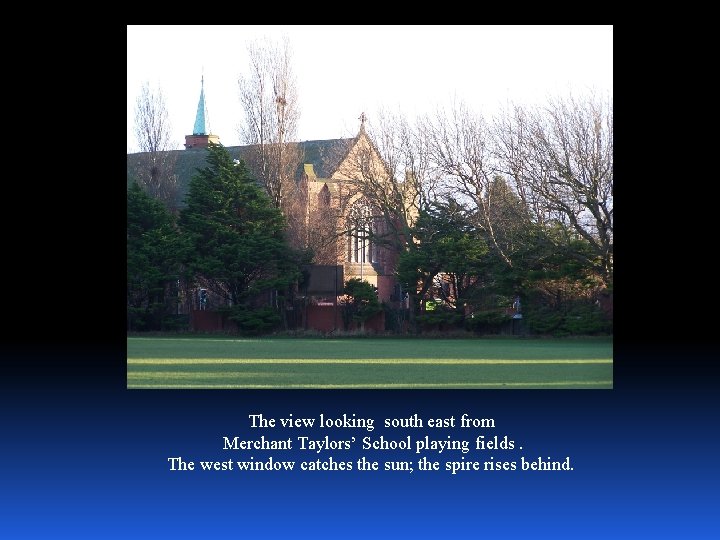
224 363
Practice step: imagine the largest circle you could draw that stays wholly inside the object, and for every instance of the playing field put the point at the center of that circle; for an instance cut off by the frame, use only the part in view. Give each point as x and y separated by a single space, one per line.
223 363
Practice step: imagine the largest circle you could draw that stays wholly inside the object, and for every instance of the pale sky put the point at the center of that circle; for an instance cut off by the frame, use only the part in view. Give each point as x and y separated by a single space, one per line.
344 70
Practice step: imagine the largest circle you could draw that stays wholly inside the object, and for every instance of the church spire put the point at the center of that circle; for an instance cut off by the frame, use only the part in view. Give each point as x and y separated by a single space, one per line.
199 128
201 136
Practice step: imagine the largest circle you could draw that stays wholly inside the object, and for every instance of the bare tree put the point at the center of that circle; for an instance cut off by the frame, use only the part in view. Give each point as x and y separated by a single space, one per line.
385 185
321 227
511 131
155 171
268 96
314 207
389 170
312 216
459 144
561 160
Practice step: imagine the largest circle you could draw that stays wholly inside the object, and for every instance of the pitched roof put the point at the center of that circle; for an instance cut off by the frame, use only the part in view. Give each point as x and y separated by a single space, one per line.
324 155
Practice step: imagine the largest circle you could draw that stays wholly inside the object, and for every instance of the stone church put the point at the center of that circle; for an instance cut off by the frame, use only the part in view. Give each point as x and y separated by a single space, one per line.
336 219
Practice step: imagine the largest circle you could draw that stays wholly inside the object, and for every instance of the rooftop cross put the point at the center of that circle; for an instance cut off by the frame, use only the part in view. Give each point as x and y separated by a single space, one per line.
362 119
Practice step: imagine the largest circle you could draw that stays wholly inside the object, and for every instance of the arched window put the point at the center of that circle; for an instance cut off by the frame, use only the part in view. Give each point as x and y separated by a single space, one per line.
361 226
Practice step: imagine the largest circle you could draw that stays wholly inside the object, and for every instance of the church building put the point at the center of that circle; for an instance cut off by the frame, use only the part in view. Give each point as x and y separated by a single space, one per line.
341 224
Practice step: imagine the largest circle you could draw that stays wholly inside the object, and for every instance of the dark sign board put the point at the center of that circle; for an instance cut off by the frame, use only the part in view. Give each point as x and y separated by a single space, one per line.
323 279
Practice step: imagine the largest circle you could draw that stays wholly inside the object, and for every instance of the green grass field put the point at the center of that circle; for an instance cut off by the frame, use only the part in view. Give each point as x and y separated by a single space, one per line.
385 363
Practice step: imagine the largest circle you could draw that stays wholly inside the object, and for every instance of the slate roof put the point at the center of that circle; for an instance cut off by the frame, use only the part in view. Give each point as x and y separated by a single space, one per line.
324 155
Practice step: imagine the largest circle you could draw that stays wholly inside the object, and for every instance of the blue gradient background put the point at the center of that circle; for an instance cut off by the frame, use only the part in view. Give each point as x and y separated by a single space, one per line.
82 457
85 458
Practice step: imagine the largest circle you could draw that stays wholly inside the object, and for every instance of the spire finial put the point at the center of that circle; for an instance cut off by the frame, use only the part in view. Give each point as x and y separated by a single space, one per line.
362 119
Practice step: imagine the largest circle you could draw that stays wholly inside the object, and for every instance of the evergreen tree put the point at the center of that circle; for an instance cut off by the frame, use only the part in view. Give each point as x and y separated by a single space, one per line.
152 261
236 241
362 303
448 246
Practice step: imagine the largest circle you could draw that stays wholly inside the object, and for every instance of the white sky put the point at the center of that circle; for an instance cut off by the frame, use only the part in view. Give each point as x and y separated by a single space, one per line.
344 70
